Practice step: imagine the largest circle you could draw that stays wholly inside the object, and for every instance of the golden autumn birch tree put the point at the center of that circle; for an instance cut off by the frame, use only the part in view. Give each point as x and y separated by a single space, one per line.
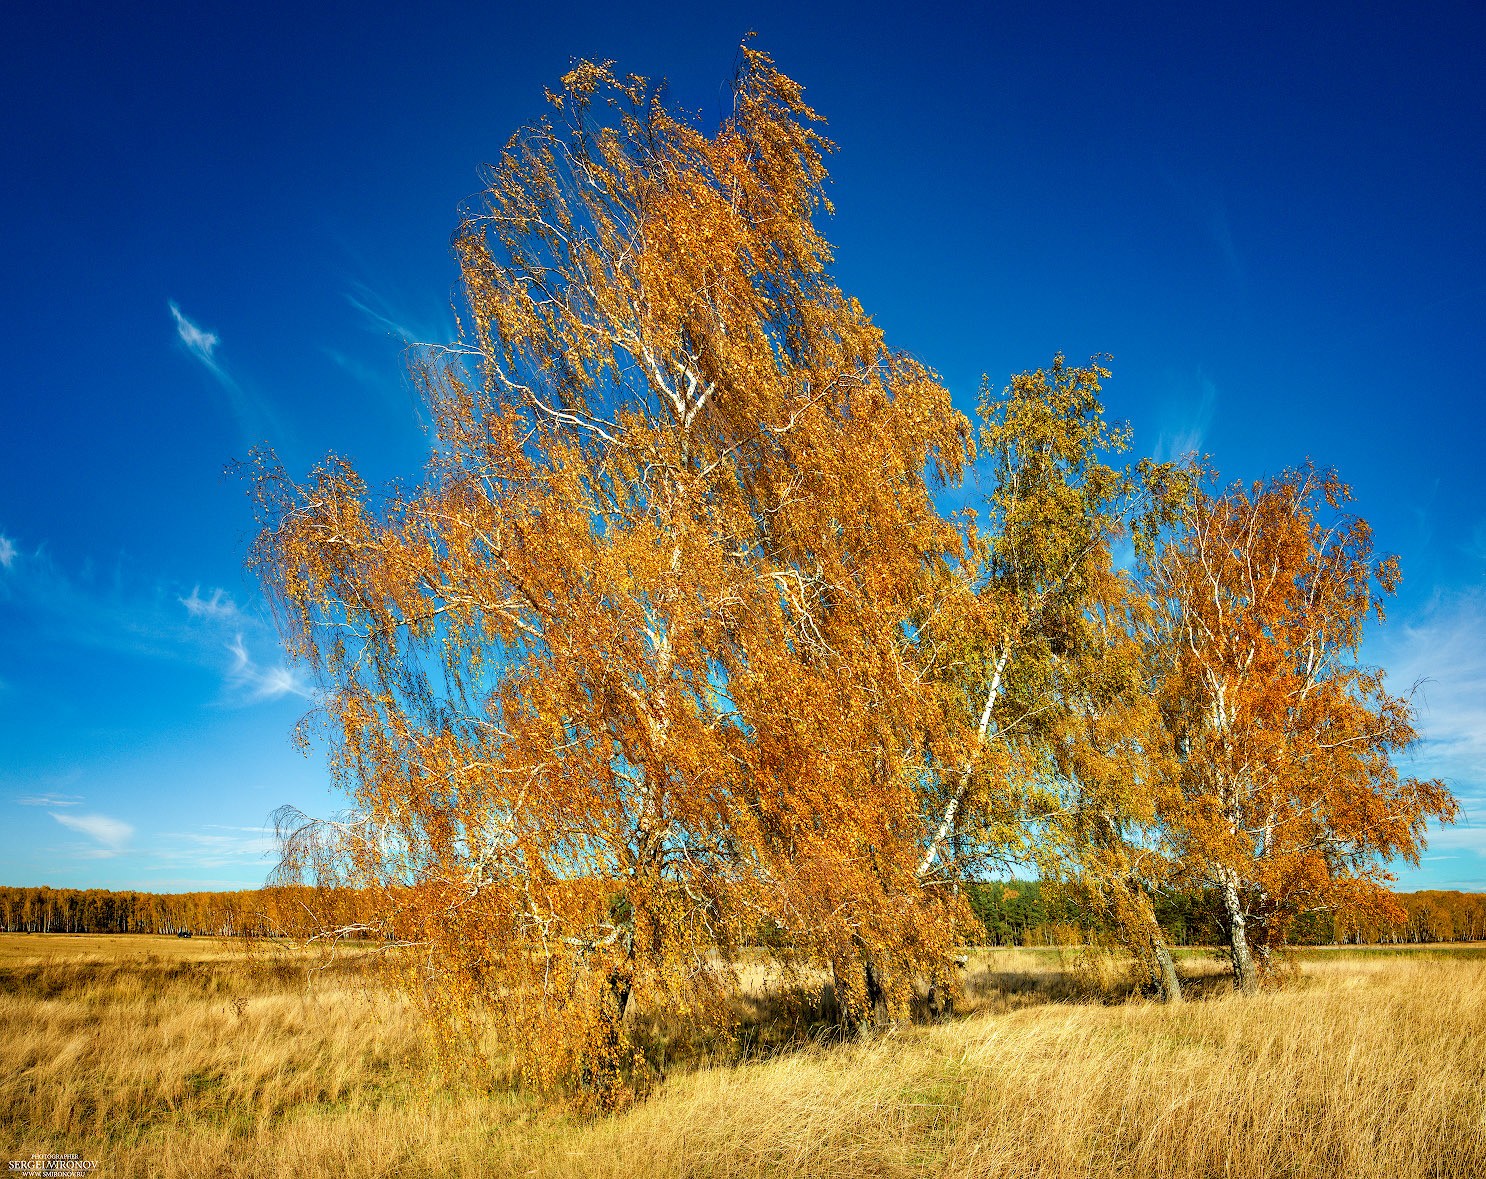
632 670
1017 588
1049 666
1031 563
1286 740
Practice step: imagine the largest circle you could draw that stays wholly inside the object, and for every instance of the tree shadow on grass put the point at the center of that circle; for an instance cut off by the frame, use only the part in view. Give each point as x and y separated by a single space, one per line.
776 1014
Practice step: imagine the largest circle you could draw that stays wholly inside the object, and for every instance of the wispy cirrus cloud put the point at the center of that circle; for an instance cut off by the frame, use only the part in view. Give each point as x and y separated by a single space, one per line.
214 846
1185 437
388 383
1220 230
8 552
50 800
1439 652
111 611
262 683
247 680
219 606
1475 547
111 834
382 315
199 342
255 418
427 336
1203 206
381 319
101 608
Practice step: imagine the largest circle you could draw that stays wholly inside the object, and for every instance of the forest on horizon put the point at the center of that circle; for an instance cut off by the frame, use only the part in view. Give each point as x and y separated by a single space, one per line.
1006 913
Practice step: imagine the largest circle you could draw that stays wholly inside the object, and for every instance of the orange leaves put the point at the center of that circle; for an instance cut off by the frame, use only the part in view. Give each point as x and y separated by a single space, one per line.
1291 795
627 675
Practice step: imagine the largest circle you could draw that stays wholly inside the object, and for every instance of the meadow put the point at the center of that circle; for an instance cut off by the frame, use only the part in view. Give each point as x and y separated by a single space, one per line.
172 1057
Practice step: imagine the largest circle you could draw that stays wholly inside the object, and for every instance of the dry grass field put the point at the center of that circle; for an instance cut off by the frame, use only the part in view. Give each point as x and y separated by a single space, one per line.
159 1057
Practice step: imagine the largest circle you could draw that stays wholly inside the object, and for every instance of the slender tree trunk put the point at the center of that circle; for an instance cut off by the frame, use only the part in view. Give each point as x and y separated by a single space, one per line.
873 1016
951 811
1142 934
848 1017
1245 974
1170 981
621 986
876 996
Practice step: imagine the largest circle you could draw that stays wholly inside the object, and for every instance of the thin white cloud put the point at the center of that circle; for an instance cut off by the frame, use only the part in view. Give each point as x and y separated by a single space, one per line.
218 607
1221 230
1439 653
425 338
152 621
1204 209
260 683
113 834
1463 836
7 552
393 389
362 373
1476 546
255 416
215 845
1442 650
380 314
106 610
199 342
50 800
1185 439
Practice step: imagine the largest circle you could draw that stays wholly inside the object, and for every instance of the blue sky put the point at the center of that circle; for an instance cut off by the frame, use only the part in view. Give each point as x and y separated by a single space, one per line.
222 225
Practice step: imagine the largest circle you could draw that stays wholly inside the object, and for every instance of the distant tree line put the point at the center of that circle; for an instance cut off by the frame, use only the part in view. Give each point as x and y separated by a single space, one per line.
1011 913
266 912
1034 913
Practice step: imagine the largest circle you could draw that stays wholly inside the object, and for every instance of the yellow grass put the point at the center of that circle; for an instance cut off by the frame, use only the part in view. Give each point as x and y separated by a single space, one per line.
158 1057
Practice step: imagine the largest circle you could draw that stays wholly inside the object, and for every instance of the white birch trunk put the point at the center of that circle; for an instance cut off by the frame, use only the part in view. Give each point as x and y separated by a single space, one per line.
952 810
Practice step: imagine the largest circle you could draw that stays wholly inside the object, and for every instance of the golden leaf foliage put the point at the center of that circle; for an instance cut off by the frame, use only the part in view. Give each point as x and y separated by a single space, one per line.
1290 798
1044 643
631 671
1030 570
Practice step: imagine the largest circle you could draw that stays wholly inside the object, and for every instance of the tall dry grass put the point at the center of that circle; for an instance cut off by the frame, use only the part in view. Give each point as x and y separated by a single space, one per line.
183 1060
